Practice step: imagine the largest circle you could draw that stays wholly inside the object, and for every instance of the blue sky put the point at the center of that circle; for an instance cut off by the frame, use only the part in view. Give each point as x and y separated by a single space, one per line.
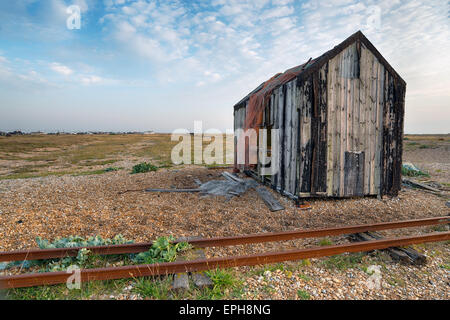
161 65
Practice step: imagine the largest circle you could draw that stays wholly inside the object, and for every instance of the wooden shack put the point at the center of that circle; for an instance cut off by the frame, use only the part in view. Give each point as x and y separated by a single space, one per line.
340 120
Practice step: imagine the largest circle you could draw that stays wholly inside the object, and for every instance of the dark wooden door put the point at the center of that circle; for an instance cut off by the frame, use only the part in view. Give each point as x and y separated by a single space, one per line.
354 174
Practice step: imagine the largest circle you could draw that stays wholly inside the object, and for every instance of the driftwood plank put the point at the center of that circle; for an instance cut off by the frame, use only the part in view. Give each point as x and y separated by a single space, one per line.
268 199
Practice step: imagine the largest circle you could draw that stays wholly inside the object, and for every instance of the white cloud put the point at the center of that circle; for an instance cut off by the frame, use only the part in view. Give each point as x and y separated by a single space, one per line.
91 80
278 12
61 69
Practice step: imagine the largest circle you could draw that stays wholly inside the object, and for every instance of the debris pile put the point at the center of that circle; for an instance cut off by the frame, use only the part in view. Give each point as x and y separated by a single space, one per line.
230 187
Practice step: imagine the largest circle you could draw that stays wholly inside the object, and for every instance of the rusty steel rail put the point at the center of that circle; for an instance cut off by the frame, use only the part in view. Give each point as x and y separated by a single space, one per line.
52 278
36 254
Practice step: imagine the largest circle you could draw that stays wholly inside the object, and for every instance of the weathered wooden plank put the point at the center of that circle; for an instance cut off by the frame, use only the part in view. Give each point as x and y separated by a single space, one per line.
276 125
349 93
368 118
378 129
373 118
363 105
301 155
350 137
323 130
354 173
356 108
240 122
298 106
268 199
331 78
280 119
388 161
359 185
288 137
337 128
350 174
398 134
305 146
315 133
343 124
280 96
294 137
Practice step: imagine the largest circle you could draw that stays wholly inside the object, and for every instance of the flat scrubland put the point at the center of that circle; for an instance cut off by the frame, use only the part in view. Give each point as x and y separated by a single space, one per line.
57 155
59 186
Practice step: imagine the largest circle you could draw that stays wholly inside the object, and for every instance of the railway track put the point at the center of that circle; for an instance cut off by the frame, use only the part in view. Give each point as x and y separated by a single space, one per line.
51 278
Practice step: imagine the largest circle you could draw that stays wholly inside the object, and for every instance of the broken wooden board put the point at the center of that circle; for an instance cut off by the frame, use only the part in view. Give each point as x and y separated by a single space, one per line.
408 255
420 185
268 199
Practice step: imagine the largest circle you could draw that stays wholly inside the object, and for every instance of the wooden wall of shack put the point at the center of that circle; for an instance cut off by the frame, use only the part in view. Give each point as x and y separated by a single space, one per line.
341 125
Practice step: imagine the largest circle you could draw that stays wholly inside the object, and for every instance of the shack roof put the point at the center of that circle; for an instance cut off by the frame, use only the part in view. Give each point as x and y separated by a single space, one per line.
302 71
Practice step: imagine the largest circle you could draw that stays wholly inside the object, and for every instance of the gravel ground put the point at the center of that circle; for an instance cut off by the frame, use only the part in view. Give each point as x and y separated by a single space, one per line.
54 207
395 281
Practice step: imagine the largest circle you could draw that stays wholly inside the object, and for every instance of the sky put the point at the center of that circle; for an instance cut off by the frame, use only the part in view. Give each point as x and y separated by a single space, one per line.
161 65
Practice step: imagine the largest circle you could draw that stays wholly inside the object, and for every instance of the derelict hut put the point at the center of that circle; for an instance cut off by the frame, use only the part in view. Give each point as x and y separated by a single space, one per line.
340 120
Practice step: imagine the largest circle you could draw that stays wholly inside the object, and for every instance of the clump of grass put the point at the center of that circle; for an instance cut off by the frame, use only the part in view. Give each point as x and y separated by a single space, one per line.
271 268
304 277
325 242
343 261
143 167
225 284
303 295
151 288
